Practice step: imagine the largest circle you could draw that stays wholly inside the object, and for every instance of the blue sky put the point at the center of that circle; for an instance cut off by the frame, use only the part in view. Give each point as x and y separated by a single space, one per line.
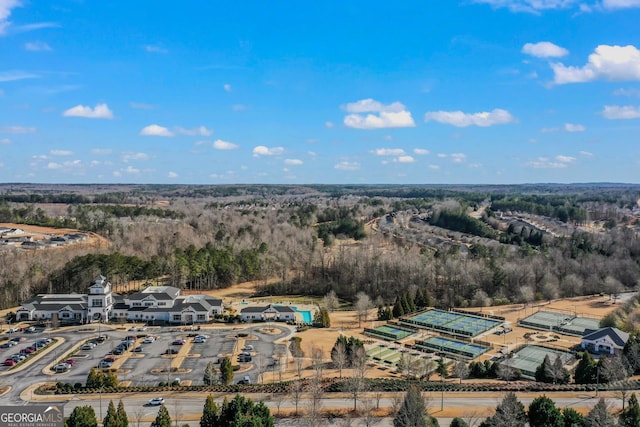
468 91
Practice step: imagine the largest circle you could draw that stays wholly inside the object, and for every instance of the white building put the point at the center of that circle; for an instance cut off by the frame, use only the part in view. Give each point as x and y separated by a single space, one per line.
153 304
276 313
604 340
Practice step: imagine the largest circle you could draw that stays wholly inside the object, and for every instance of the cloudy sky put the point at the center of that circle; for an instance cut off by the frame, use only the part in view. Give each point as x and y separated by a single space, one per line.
216 92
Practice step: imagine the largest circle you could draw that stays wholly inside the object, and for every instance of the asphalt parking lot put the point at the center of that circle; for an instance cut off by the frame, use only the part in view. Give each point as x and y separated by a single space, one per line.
151 365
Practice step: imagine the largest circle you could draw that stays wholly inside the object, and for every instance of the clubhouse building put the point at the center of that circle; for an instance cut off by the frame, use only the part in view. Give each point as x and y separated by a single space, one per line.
155 304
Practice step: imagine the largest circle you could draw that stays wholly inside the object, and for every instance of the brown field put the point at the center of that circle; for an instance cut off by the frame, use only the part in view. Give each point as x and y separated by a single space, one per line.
40 233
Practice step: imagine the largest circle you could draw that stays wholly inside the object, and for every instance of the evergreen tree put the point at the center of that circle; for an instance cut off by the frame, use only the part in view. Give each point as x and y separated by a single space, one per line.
95 379
243 412
111 419
210 413
586 370
226 371
420 300
398 311
572 418
630 417
458 422
543 413
541 371
405 303
163 419
413 412
411 303
599 416
123 419
82 416
509 413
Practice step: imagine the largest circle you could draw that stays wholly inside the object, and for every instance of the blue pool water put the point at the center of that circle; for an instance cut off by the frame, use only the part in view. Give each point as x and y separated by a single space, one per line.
306 315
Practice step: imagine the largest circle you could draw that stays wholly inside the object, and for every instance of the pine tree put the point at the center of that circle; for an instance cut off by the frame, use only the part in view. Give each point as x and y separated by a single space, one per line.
404 301
111 419
226 371
458 422
599 416
572 418
419 299
397 311
509 413
210 374
541 371
163 419
543 413
82 416
630 417
411 302
413 412
209 413
586 370
123 419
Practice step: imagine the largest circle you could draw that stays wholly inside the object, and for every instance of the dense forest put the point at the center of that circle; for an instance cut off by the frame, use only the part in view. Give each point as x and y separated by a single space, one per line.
462 245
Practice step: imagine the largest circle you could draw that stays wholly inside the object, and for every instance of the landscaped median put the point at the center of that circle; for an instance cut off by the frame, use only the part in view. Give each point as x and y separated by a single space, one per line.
56 341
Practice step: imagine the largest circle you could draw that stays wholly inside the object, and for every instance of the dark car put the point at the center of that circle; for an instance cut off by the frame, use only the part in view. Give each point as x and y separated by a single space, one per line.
171 351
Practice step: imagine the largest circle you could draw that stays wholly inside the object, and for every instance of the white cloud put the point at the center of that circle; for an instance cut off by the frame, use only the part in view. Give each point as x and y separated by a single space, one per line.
442 155
571 127
198 131
381 116
434 167
4 141
13 75
458 157
565 159
17 129
69 164
61 153
530 6
388 152
293 162
460 119
172 174
329 125
627 92
156 130
616 112
219 144
421 151
54 165
37 47
585 153
5 11
347 166
620 4
155 49
227 87
116 174
404 159
544 50
261 150
131 170
101 151
101 111
612 63
559 162
126 157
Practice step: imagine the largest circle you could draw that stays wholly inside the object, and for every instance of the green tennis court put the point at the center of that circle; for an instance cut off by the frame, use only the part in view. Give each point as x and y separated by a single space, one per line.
388 332
452 347
452 322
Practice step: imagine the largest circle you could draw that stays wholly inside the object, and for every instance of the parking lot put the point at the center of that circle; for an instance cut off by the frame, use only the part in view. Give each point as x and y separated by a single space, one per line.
148 363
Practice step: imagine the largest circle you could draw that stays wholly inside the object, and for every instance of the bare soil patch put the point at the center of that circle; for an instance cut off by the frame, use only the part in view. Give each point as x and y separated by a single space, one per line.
40 233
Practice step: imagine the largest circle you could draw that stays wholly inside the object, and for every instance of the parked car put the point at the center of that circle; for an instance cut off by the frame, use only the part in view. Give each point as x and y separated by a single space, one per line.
199 340
247 348
117 351
18 357
8 344
61 367
30 330
109 359
104 364
88 346
138 349
178 341
156 401
244 357
148 340
245 380
10 362
171 351
70 362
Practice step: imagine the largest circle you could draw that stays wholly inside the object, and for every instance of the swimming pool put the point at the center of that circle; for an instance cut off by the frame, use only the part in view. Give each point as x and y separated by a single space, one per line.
306 314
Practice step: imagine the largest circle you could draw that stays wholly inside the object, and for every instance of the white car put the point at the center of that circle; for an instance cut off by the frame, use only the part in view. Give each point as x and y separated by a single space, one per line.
247 348
148 340
156 401
199 340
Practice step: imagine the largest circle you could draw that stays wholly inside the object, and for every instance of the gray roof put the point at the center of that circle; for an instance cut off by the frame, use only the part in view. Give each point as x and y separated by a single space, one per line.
619 337
260 309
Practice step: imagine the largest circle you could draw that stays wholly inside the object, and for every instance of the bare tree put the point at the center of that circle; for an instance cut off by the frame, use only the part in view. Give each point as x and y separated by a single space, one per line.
278 399
296 394
299 366
368 415
339 356
363 305
314 407
317 359
330 301
460 370
357 381
138 413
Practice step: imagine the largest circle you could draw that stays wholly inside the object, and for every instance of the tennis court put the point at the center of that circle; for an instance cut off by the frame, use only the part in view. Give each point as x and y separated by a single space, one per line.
452 347
564 323
388 332
528 358
452 322
386 355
